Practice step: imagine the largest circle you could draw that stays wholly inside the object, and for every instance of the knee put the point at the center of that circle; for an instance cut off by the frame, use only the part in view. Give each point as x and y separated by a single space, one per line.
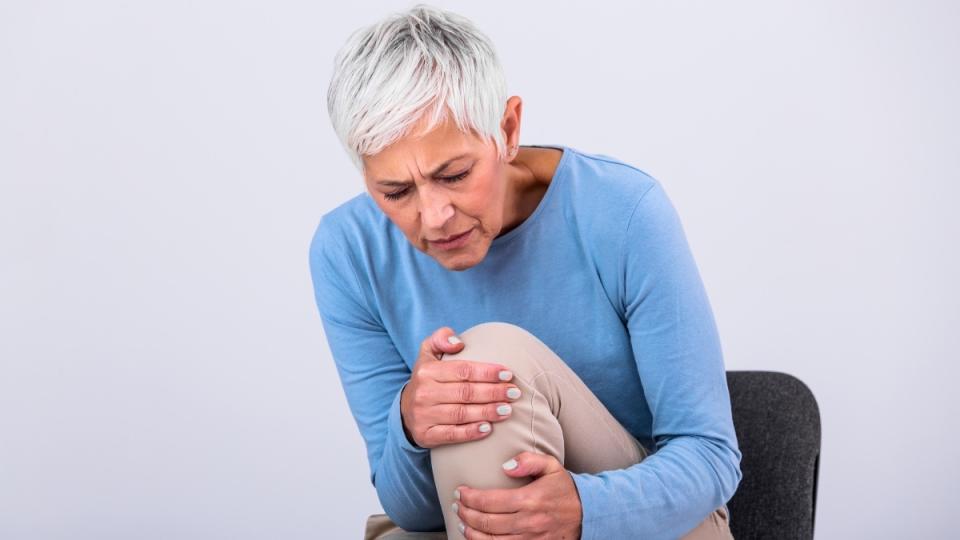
509 341
507 344
497 331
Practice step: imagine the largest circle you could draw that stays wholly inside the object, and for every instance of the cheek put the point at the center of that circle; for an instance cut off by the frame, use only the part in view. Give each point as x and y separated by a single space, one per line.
403 216
488 202
409 222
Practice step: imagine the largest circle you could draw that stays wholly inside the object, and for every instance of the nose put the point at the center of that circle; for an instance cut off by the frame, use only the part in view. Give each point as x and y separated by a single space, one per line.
435 209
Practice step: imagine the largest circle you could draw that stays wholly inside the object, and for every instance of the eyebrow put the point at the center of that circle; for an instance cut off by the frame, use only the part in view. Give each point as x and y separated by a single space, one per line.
434 172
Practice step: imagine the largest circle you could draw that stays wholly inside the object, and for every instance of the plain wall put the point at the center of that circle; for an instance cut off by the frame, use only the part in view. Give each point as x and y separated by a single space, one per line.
163 370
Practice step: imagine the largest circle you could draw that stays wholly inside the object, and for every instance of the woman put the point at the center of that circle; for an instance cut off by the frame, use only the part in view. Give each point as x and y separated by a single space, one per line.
587 361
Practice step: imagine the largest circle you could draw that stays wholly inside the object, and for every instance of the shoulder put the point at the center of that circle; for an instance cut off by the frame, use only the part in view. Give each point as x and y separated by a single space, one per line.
329 247
336 256
603 194
354 242
355 223
604 179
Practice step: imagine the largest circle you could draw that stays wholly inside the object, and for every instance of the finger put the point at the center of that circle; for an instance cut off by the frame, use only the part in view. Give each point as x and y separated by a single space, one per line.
442 340
531 464
459 413
470 370
446 340
489 523
472 534
447 434
492 501
474 392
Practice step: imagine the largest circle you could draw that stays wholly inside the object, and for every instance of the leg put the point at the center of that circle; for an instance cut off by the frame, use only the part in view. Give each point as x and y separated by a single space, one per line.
557 415
380 527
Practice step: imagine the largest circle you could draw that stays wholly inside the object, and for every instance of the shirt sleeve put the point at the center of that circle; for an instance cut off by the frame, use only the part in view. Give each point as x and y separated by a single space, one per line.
695 467
372 374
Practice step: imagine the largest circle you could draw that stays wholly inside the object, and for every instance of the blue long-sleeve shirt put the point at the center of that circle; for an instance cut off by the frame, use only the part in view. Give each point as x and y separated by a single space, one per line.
601 272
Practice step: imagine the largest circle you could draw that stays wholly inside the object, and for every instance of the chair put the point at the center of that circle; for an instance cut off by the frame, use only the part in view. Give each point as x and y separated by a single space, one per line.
778 429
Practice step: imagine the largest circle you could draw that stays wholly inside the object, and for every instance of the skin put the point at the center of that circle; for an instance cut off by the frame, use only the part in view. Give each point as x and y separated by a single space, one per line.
448 402
495 197
542 509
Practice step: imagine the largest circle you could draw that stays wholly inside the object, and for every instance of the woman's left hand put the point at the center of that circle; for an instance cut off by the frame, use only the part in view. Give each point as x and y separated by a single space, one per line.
548 507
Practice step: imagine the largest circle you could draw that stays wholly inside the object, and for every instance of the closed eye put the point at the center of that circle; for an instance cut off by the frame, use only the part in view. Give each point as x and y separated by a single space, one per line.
457 178
395 195
399 194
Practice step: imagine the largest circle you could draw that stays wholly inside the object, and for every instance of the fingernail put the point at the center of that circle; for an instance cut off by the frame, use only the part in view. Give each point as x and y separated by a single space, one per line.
454 340
504 410
513 393
505 375
510 464
463 530
456 494
484 427
456 507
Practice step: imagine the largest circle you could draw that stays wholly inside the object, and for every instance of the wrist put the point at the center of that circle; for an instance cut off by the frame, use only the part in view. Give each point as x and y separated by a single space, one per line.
403 421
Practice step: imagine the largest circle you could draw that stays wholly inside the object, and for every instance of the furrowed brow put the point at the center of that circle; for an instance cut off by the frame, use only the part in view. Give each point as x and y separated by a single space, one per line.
434 172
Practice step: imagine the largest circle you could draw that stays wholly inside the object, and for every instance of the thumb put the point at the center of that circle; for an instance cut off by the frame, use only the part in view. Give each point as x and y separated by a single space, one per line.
531 464
445 340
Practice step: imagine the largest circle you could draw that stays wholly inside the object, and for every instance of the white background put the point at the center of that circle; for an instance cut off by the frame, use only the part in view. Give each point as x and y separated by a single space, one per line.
163 371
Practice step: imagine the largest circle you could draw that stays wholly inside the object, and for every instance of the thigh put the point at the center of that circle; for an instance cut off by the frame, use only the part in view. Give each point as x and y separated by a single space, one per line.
715 527
557 414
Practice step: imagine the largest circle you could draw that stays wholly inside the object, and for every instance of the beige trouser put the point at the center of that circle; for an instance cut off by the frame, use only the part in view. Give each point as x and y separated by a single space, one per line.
556 415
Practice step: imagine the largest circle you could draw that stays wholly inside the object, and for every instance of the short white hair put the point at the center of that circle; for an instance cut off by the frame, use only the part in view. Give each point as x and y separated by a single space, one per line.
388 75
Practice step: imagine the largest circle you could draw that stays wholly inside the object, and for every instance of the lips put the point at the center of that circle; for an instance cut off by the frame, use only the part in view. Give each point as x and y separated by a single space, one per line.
450 238
452 242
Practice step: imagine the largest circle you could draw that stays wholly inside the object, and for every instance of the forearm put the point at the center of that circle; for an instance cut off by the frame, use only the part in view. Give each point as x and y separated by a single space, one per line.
404 480
664 496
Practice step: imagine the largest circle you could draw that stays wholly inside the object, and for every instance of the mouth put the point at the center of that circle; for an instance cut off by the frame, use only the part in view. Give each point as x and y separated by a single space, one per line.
452 242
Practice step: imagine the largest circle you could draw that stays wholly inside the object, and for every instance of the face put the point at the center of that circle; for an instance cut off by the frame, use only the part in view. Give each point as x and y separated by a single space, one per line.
445 189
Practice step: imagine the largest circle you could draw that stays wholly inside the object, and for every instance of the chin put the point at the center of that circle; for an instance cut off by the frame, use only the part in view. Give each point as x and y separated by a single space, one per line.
457 263
463 258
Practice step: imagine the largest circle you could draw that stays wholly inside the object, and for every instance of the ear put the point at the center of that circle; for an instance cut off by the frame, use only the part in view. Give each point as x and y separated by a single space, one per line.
510 123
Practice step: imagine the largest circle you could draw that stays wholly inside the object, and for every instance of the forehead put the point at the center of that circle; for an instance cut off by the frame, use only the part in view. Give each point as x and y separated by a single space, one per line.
419 153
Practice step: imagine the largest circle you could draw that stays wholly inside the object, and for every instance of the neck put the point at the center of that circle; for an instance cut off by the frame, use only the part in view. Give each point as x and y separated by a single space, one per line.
525 189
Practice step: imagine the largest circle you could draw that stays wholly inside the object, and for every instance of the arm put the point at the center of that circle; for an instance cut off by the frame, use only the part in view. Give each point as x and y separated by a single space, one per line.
373 375
695 468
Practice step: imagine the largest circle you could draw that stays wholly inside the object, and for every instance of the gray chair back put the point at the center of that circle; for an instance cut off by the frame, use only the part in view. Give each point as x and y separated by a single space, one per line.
778 430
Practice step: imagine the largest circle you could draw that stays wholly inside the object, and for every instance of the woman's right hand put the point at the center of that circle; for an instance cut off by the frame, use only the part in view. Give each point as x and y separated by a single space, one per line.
453 401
